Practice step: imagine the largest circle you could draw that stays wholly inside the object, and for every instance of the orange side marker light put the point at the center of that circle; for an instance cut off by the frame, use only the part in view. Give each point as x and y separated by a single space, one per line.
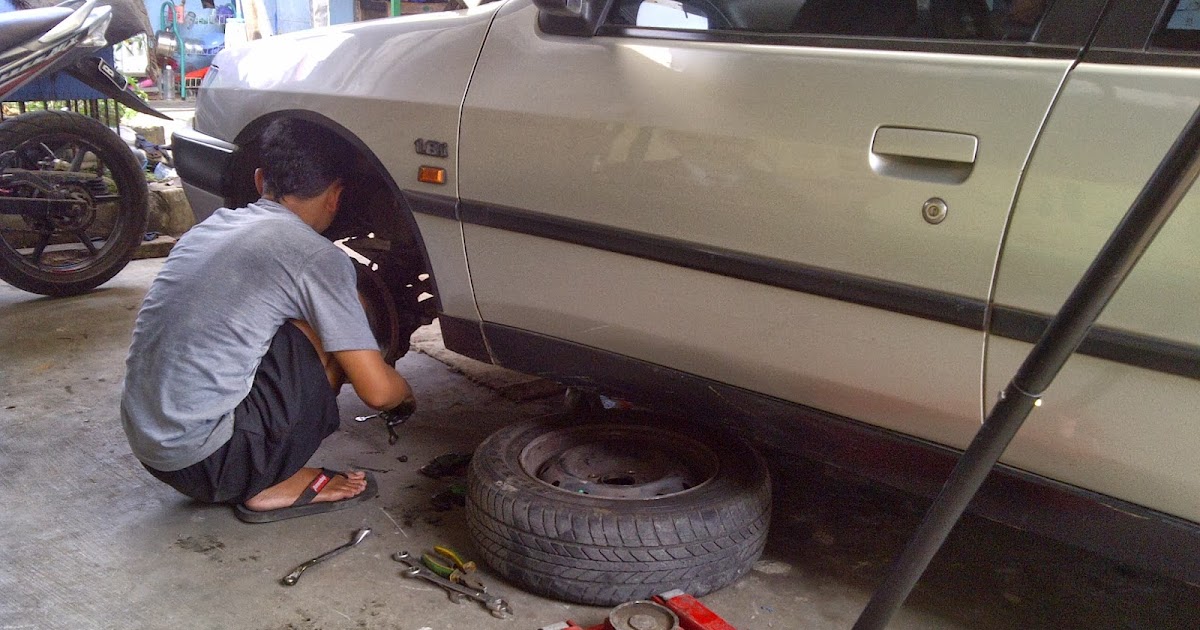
431 175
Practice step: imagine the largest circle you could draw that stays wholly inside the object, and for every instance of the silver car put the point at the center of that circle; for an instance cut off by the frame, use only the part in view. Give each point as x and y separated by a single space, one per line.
838 226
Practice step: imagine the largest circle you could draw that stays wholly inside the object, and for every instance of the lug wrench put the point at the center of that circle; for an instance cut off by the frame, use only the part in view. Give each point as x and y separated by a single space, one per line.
294 576
457 592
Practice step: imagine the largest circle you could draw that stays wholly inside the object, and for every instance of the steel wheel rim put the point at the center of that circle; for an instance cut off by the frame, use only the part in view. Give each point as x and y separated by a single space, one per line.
612 461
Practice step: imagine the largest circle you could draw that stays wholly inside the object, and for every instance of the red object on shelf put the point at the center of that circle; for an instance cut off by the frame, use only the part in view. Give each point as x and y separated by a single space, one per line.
197 74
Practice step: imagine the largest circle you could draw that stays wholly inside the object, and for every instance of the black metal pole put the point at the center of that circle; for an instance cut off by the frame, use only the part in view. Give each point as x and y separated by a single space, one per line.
1153 206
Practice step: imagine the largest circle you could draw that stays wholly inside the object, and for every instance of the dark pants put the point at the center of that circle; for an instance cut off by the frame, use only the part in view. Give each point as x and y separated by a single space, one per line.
289 411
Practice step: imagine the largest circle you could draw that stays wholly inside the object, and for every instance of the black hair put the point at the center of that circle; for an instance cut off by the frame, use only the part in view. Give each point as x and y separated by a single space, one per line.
302 158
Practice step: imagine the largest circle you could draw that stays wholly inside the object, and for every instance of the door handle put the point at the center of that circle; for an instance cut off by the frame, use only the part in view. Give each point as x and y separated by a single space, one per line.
923 154
925 144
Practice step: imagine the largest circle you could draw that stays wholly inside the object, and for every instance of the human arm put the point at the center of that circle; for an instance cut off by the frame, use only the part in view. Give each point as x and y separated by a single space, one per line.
375 382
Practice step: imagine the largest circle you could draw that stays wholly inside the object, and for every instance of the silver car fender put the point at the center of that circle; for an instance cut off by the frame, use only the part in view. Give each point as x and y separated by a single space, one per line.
387 84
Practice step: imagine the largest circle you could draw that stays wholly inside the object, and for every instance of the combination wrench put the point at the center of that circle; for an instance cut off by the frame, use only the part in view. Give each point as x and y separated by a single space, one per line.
457 592
293 577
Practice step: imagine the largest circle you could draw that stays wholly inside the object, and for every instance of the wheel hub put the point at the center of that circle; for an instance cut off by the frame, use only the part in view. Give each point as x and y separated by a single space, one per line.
82 212
619 462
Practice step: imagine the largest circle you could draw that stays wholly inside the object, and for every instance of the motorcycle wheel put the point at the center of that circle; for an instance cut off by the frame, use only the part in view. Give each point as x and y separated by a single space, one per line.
68 253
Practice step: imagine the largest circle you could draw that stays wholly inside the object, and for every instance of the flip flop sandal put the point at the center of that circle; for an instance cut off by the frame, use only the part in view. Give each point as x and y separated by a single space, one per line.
304 505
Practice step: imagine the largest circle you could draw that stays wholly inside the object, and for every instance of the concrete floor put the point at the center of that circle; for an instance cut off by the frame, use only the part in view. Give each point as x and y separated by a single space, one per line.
92 541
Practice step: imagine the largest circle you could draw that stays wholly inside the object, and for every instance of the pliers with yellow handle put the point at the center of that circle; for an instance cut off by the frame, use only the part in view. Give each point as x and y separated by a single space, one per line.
446 562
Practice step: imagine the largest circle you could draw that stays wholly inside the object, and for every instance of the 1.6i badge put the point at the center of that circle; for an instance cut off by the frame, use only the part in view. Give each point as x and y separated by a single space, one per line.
432 148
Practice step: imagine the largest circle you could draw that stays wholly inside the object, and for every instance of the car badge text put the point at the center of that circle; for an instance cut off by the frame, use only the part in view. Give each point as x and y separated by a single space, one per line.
432 148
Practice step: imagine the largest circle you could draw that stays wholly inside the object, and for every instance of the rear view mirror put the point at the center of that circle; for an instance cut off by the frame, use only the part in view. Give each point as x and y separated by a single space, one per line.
570 17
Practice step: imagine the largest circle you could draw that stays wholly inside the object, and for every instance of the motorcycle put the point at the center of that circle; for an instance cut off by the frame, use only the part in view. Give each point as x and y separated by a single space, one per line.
73 198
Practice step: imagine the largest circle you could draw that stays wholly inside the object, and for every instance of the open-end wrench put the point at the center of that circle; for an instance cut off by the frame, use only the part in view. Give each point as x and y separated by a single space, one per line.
293 577
494 604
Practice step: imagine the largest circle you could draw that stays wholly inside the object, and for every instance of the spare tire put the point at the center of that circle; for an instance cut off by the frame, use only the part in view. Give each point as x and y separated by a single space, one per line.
617 506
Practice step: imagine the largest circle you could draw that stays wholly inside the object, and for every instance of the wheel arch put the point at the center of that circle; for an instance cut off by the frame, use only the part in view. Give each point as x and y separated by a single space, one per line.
241 189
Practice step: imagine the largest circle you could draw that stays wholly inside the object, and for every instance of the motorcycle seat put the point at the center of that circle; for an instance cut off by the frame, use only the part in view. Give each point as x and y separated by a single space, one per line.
18 27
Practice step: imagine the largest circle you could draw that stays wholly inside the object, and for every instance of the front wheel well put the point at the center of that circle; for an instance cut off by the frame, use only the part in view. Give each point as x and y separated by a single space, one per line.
374 224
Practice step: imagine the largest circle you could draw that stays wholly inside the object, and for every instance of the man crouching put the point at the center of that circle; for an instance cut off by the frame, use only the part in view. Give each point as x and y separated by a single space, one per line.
245 337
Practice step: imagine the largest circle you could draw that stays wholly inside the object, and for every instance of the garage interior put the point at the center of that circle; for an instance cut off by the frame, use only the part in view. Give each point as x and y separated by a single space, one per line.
95 542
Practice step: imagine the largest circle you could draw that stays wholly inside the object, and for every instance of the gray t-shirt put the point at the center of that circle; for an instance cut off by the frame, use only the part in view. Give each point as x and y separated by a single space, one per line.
228 285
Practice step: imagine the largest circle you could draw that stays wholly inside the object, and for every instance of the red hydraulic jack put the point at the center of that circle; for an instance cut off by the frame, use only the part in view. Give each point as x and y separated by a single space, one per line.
673 610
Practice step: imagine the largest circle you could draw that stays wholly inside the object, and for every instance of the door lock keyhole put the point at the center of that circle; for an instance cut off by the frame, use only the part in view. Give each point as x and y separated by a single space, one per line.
934 211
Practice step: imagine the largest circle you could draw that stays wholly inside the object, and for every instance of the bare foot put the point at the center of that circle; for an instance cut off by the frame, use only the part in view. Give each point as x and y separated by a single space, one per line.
285 493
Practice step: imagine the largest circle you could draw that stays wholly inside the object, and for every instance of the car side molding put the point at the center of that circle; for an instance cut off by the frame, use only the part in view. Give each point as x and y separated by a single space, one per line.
1125 347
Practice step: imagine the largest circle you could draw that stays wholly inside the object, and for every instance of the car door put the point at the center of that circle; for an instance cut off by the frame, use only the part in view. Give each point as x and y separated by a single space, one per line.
1120 419
800 199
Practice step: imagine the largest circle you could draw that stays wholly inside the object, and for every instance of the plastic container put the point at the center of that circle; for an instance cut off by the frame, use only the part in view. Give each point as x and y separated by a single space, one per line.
167 89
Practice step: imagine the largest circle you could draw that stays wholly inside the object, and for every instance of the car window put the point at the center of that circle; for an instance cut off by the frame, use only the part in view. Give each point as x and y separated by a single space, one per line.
989 20
1180 26
670 14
